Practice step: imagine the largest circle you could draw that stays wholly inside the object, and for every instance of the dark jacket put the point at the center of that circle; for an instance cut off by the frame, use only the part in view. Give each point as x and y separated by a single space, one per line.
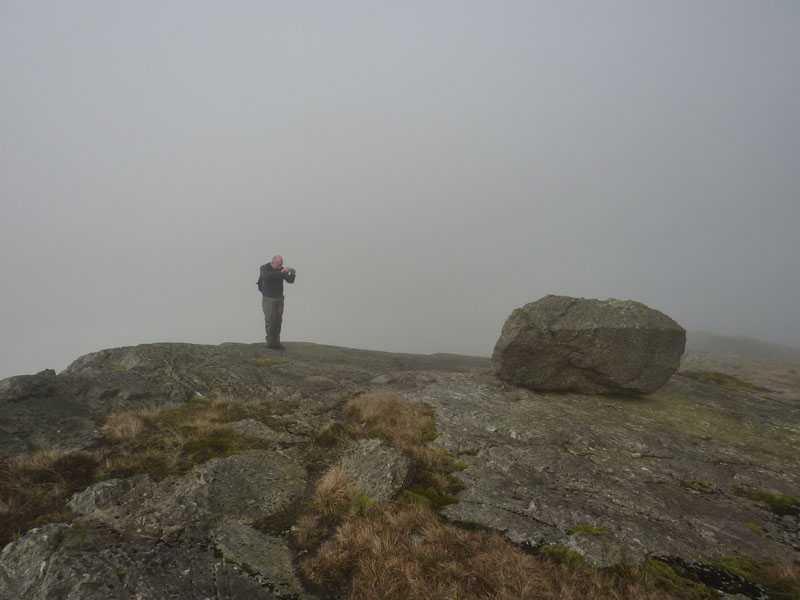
272 281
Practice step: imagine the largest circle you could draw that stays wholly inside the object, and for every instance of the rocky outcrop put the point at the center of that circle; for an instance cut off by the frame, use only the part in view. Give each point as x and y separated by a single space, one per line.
61 411
683 473
242 488
191 536
625 478
380 470
560 343
21 387
83 561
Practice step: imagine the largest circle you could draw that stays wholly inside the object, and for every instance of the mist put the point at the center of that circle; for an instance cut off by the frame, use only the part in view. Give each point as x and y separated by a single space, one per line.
425 166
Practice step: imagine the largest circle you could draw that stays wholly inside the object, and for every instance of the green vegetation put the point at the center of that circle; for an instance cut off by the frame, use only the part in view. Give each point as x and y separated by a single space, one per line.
429 497
360 503
680 585
755 528
698 486
775 499
271 363
723 380
564 556
741 567
670 411
588 530
782 579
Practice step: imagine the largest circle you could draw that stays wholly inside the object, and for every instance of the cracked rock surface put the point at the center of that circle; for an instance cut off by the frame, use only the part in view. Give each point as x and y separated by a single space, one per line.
657 475
615 478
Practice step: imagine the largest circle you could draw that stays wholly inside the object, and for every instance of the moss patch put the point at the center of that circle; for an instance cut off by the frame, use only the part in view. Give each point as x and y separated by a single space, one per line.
723 380
564 556
671 412
684 586
428 497
739 566
778 502
201 449
271 363
698 486
588 530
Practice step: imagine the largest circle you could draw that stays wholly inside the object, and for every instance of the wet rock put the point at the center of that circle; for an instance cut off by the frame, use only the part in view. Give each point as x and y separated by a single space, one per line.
380 470
591 346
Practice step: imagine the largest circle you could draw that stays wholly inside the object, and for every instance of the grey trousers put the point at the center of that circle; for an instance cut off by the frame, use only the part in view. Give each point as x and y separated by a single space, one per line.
273 317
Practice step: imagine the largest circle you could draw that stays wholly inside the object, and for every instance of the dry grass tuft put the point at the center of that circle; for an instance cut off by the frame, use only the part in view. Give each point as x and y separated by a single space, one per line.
123 426
396 551
335 493
406 425
309 531
33 488
400 422
784 577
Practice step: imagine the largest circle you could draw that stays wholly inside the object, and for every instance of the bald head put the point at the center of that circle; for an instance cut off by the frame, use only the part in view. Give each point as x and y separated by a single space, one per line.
277 262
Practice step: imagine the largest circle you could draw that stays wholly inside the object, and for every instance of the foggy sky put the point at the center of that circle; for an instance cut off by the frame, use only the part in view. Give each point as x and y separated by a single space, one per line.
425 166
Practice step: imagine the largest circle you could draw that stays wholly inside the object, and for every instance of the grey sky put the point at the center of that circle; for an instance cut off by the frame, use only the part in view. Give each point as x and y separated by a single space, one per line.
425 166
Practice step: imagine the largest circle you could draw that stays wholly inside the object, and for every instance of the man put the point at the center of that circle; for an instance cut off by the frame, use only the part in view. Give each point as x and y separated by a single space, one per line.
270 282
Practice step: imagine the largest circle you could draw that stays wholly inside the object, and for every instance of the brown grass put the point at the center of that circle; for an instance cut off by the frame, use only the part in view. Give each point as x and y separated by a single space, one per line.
397 551
403 550
406 425
34 488
400 422
123 426
37 485
335 493
785 578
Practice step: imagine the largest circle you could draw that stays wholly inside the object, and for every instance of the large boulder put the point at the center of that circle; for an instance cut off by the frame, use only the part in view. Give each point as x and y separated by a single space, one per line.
610 346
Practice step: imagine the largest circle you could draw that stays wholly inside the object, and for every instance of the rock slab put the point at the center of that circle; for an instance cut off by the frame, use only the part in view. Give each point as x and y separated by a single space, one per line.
559 343
380 470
